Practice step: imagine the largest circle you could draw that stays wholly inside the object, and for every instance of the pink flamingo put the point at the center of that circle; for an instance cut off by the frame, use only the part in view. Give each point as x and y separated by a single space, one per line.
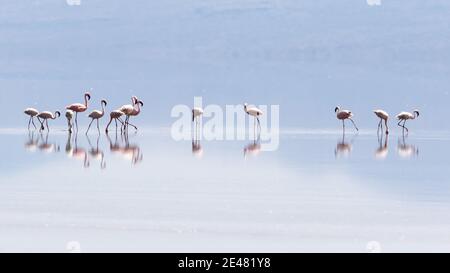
79 108
115 115
45 116
128 110
32 113
97 115
135 112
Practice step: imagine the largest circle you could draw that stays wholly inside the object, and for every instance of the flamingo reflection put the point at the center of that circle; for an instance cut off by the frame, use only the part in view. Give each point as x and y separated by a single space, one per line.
32 144
406 150
382 151
47 147
254 148
343 147
96 153
130 152
197 149
79 153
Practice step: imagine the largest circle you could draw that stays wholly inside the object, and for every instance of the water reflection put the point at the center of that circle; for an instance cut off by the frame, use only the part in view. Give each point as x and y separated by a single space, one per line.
132 152
406 150
32 143
382 151
96 153
47 147
79 153
254 148
344 147
129 152
197 149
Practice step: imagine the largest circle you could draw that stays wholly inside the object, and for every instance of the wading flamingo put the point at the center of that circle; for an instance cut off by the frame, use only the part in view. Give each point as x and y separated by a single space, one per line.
136 112
404 116
32 113
197 112
115 115
343 115
45 116
384 116
97 115
69 117
254 112
79 108
127 110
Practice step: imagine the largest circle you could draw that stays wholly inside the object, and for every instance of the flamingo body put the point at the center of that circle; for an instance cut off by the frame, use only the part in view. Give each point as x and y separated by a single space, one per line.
32 113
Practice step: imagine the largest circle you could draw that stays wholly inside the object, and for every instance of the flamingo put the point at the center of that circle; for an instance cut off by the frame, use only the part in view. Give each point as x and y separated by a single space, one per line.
343 115
404 116
97 115
128 109
135 112
383 115
197 112
254 112
45 116
69 116
32 113
115 115
79 108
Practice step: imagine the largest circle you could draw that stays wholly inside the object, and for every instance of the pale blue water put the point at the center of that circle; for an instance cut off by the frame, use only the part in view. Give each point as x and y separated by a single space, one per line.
150 193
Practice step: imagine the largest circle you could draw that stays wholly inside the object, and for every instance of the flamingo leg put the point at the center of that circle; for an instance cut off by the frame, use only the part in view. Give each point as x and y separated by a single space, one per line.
76 120
46 123
354 124
32 121
404 123
29 123
98 126
378 128
387 128
109 123
89 126
128 123
259 124
42 125
343 126
121 121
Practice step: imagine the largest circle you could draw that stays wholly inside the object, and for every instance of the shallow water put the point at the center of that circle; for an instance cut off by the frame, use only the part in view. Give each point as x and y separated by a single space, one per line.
146 192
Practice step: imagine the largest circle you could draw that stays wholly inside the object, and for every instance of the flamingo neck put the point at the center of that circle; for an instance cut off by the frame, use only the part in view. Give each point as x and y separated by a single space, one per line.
138 110
86 101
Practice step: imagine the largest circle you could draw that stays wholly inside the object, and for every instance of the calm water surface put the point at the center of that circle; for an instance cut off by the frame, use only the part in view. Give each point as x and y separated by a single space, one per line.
319 192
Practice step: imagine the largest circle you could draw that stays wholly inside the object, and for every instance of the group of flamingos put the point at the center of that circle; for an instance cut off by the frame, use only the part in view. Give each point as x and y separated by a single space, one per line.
129 110
134 109
381 114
